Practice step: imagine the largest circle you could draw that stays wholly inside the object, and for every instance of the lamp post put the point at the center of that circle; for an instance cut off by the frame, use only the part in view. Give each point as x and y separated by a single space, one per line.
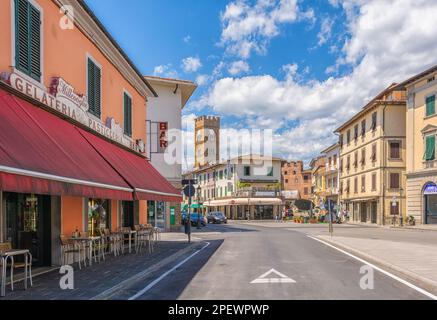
199 189
401 217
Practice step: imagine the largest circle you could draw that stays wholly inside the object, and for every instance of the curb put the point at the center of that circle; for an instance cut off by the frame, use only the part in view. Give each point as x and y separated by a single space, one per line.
410 276
107 294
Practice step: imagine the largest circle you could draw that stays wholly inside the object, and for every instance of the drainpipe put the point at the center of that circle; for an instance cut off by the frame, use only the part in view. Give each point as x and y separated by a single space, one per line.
384 164
338 174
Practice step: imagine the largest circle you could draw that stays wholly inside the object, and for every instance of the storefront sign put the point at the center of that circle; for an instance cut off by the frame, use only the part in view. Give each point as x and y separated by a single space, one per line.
162 136
265 194
62 97
430 189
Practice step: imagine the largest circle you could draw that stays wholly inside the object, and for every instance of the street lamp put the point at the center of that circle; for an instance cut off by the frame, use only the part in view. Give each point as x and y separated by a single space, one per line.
401 217
199 189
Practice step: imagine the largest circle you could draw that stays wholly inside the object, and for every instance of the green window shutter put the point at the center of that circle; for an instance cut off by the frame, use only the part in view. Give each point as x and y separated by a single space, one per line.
97 86
430 106
127 115
35 43
429 148
28 39
91 91
94 86
270 173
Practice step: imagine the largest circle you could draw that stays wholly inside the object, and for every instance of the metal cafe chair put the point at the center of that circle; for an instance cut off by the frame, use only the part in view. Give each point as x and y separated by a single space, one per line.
7 246
70 248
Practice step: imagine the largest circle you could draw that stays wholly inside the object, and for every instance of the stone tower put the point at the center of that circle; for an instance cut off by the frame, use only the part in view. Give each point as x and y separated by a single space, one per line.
206 141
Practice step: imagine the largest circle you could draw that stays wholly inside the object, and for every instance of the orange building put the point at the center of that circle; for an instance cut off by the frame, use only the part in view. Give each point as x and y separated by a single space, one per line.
72 129
295 178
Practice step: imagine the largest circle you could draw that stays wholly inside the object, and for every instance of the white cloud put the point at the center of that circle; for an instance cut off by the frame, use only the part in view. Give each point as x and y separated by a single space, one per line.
238 67
325 30
202 79
388 41
186 39
165 71
191 64
248 28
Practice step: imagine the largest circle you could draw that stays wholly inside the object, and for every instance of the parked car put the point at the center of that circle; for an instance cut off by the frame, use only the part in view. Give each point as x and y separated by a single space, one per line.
216 217
193 217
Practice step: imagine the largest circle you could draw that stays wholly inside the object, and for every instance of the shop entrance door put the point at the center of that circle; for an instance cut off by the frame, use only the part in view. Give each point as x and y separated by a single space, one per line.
363 211
28 225
127 212
431 209
373 212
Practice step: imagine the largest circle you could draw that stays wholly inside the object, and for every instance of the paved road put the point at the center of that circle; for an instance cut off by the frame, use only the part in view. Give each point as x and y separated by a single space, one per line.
239 254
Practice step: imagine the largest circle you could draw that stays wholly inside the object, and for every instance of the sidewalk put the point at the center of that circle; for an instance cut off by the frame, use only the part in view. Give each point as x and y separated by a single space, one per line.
91 282
415 261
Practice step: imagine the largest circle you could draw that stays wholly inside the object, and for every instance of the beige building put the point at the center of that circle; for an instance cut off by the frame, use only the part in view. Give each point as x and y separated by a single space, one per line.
318 181
421 145
206 141
332 159
372 160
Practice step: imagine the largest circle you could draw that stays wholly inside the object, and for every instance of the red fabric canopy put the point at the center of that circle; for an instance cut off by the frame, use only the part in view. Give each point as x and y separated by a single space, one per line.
138 172
41 153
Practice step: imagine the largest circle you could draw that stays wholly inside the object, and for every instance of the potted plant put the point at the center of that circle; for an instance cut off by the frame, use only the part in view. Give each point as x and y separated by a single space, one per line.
411 221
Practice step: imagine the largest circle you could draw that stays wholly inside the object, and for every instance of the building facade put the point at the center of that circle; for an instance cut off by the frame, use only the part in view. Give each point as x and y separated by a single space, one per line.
296 178
421 161
332 178
206 141
246 187
318 186
372 160
73 109
164 125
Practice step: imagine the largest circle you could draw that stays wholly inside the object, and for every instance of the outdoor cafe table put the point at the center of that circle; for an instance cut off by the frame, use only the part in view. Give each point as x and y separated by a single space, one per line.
4 255
131 233
90 241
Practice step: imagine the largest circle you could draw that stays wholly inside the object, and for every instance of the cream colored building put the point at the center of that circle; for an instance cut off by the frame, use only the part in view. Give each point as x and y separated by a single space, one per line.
372 160
332 159
421 146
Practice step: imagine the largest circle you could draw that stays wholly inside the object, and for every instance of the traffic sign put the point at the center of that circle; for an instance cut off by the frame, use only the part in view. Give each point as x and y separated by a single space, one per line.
189 190
189 181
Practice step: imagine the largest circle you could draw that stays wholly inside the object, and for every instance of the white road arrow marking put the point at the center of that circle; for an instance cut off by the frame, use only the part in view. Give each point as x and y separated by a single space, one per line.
281 278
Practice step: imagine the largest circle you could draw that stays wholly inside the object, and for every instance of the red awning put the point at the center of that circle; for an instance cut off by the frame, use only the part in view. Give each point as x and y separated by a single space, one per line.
148 183
41 153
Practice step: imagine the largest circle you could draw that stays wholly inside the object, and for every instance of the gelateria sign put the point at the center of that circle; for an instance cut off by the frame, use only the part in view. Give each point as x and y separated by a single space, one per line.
62 97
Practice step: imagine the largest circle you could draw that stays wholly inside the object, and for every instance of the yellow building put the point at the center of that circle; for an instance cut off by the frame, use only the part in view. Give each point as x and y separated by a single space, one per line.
318 192
372 160
421 140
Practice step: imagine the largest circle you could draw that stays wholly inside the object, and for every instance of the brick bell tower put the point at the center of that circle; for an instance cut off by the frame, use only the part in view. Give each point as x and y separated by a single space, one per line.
206 141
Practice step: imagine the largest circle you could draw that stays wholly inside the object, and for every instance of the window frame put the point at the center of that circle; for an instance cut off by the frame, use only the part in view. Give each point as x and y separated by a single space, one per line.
398 180
425 138
432 95
22 74
244 171
399 142
88 56
125 92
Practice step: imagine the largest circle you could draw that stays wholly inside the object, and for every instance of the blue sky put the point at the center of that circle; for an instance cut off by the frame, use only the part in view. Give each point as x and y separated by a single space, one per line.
299 68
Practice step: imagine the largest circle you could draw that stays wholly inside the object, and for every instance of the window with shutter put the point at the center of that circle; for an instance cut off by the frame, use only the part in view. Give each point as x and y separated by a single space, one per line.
374 182
356 132
363 156
395 150
429 148
94 89
374 118
394 180
28 39
374 152
363 128
127 115
430 106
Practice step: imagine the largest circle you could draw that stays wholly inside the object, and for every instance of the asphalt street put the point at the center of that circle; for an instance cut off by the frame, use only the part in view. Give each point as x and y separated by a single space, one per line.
235 257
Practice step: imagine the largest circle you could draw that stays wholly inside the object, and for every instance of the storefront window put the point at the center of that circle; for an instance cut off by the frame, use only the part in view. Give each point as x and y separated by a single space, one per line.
98 215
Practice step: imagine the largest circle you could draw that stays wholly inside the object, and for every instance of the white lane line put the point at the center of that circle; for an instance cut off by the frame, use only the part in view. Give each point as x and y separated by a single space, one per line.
412 286
154 282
